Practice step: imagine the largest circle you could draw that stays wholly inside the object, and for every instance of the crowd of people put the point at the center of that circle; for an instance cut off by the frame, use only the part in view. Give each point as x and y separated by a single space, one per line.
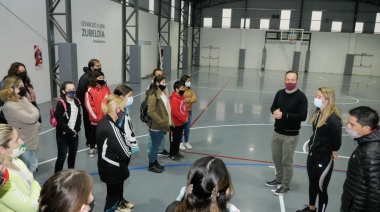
109 135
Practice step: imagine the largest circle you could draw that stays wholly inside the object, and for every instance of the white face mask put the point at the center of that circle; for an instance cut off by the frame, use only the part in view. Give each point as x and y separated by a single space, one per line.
318 103
188 84
129 101
352 133
18 151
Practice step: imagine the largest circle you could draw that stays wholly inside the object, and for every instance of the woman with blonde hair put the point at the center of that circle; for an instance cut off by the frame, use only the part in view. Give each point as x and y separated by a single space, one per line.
323 146
21 191
23 116
114 153
69 191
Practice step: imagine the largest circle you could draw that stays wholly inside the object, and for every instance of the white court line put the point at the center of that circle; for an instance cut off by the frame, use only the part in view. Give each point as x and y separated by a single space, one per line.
345 157
280 197
193 128
321 77
304 146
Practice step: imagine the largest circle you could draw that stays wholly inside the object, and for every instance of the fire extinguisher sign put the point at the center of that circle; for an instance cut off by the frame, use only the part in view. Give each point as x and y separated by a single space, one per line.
37 56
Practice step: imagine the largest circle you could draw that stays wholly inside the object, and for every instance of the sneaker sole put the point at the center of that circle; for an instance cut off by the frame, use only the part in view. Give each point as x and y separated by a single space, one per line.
278 194
155 171
271 185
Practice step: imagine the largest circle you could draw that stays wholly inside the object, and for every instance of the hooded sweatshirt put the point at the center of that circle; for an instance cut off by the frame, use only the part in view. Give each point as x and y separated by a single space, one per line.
179 109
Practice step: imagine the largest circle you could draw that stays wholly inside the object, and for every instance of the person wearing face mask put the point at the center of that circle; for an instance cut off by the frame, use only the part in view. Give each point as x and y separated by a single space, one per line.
190 99
58 191
18 69
93 65
23 116
67 114
21 192
95 95
180 117
323 146
361 189
159 111
289 109
114 153
125 122
161 149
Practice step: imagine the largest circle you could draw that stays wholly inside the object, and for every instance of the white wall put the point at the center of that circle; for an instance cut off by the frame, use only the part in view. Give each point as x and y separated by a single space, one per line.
109 52
174 27
328 50
17 40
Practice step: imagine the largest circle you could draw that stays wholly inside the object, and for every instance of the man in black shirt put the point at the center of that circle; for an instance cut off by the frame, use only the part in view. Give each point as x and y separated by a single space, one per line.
93 65
289 108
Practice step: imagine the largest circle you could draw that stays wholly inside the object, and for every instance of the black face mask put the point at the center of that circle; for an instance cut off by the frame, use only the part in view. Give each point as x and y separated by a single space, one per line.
181 92
92 204
99 69
120 115
162 87
22 75
101 82
22 91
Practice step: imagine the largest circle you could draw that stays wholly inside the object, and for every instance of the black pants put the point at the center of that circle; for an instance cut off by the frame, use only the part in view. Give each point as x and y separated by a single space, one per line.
114 195
175 139
319 178
65 143
92 140
86 123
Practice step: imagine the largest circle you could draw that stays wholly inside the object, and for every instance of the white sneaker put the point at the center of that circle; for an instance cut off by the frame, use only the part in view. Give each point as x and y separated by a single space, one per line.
188 145
181 146
91 153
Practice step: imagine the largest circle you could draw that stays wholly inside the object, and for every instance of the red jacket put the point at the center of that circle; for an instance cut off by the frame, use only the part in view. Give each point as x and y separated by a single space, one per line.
179 109
93 100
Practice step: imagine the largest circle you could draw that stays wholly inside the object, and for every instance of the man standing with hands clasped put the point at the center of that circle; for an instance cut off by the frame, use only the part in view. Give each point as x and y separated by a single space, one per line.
289 108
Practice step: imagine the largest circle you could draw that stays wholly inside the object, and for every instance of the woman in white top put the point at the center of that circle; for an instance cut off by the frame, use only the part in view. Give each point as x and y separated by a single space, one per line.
21 191
67 114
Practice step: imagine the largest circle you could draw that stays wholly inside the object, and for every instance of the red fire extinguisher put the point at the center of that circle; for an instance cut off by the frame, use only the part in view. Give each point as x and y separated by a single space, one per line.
37 56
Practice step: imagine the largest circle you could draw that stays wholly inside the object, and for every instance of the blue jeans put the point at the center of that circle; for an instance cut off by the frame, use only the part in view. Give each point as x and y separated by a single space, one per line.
187 127
65 143
156 141
160 148
29 157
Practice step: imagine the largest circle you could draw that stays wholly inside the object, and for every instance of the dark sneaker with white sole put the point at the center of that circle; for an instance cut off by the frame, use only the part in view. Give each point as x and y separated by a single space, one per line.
272 183
307 209
164 153
281 191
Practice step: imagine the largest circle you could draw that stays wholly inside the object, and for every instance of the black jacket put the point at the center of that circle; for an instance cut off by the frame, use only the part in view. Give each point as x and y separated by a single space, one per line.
114 151
361 190
63 120
325 139
294 110
83 83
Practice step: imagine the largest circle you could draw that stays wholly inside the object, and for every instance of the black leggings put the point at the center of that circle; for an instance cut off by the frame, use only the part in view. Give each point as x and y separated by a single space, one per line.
319 178
114 195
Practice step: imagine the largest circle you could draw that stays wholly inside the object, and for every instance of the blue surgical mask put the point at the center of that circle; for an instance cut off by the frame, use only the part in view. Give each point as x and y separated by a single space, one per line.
318 103
129 101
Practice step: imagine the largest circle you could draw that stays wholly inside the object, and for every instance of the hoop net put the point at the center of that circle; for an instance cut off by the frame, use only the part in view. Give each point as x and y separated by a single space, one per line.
292 35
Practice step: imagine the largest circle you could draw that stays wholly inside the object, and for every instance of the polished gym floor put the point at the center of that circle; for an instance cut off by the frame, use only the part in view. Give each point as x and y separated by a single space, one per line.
232 121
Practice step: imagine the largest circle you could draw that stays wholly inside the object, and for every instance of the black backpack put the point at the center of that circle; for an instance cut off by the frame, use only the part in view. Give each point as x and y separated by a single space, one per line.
144 117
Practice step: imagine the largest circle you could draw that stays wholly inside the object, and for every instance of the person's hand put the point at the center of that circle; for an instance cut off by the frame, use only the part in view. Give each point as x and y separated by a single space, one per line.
335 155
277 114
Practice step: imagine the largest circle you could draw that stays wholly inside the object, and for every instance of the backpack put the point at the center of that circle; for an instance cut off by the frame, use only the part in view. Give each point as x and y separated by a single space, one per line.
53 120
144 117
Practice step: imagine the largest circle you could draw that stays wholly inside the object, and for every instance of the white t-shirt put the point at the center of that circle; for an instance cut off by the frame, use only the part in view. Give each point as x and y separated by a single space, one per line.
73 115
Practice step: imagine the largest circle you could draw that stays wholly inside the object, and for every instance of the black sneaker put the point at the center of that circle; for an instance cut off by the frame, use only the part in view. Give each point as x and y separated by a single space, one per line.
307 209
164 153
281 191
154 168
272 183
126 204
159 165
179 155
174 157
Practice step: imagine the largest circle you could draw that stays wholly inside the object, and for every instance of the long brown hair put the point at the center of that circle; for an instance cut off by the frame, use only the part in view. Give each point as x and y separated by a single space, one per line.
6 94
13 71
209 187
66 191
329 109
